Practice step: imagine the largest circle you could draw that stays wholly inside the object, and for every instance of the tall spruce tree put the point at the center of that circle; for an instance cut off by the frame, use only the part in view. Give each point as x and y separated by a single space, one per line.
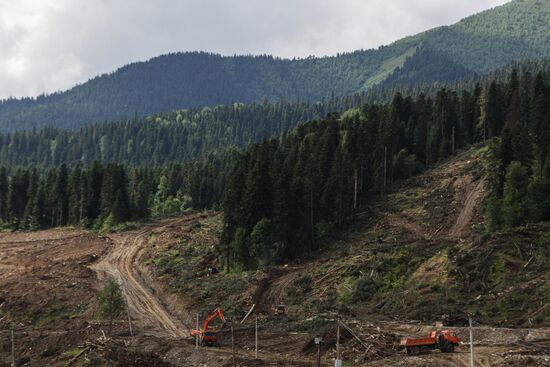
539 121
75 196
515 205
61 196
3 194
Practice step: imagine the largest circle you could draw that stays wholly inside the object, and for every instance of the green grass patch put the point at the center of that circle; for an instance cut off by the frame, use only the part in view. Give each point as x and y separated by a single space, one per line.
315 326
387 67
49 314
498 268
72 352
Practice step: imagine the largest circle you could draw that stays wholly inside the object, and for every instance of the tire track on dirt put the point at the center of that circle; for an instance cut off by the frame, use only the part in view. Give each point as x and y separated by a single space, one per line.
276 287
124 263
413 228
467 212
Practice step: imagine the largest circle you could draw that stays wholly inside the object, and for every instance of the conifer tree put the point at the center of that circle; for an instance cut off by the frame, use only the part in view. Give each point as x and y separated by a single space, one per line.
17 197
94 188
232 207
32 191
141 195
111 301
539 124
515 205
61 196
121 207
38 209
109 190
75 196
539 199
3 194
492 117
257 195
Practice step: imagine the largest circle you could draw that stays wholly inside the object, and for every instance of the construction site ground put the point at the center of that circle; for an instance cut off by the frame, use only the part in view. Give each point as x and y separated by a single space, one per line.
390 274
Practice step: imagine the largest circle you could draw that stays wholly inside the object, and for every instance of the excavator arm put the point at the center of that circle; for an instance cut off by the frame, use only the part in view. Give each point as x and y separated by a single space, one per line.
217 313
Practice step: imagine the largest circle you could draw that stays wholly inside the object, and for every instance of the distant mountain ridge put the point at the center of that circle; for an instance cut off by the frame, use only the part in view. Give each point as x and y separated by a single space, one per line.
478 44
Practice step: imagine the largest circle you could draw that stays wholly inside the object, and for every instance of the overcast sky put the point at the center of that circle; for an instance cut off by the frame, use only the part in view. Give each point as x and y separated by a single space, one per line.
49 45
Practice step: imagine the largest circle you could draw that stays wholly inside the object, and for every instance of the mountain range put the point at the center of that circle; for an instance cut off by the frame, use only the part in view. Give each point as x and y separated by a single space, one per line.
518 30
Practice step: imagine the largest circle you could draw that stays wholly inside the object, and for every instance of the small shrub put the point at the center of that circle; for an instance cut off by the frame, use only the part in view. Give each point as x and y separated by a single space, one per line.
364 289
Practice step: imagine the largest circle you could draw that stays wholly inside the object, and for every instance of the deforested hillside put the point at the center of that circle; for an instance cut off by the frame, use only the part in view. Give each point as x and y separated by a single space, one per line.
345 218
422 250
481 43
415 254
299 189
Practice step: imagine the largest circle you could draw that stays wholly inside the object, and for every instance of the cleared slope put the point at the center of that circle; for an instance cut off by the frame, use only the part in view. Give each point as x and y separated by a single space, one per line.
417 253
422 251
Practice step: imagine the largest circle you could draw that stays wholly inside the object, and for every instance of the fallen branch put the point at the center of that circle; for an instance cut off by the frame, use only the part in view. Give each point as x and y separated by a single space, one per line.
332 273
528 262
367 347
539 310
248 313
438 230
78 355
323 292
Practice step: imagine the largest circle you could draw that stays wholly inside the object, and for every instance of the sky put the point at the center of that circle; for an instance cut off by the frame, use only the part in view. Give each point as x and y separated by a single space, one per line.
51 45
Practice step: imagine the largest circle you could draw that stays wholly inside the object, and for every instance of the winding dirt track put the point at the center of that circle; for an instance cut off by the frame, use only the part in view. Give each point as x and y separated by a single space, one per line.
276 288
124 262
473 195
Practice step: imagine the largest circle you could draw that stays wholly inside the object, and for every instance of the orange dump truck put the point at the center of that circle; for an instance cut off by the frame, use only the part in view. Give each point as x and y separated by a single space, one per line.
445 340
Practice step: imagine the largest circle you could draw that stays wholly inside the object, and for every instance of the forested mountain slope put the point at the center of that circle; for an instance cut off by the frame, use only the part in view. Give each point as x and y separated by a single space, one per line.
482 217
185 135
478 44
177 136
296 188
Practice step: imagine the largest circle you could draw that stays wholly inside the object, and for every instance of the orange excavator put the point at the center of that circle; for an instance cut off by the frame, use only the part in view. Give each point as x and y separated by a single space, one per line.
207 335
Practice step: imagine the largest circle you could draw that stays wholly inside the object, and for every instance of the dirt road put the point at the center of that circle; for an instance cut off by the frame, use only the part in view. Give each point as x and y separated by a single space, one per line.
470 194
124 262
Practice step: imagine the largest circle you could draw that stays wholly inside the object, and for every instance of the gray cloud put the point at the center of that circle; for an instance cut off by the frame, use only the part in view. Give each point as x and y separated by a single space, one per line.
49 45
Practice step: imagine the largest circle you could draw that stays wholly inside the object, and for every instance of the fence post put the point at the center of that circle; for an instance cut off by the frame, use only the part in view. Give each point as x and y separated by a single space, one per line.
12 349
197 332
472 360
233 346
256 337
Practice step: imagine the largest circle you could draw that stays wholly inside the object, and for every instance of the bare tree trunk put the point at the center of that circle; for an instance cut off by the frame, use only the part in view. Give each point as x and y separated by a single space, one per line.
355 191
311 217
385 167
541 165
12 348
111 312
228 259
453 141
81 212
484 130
